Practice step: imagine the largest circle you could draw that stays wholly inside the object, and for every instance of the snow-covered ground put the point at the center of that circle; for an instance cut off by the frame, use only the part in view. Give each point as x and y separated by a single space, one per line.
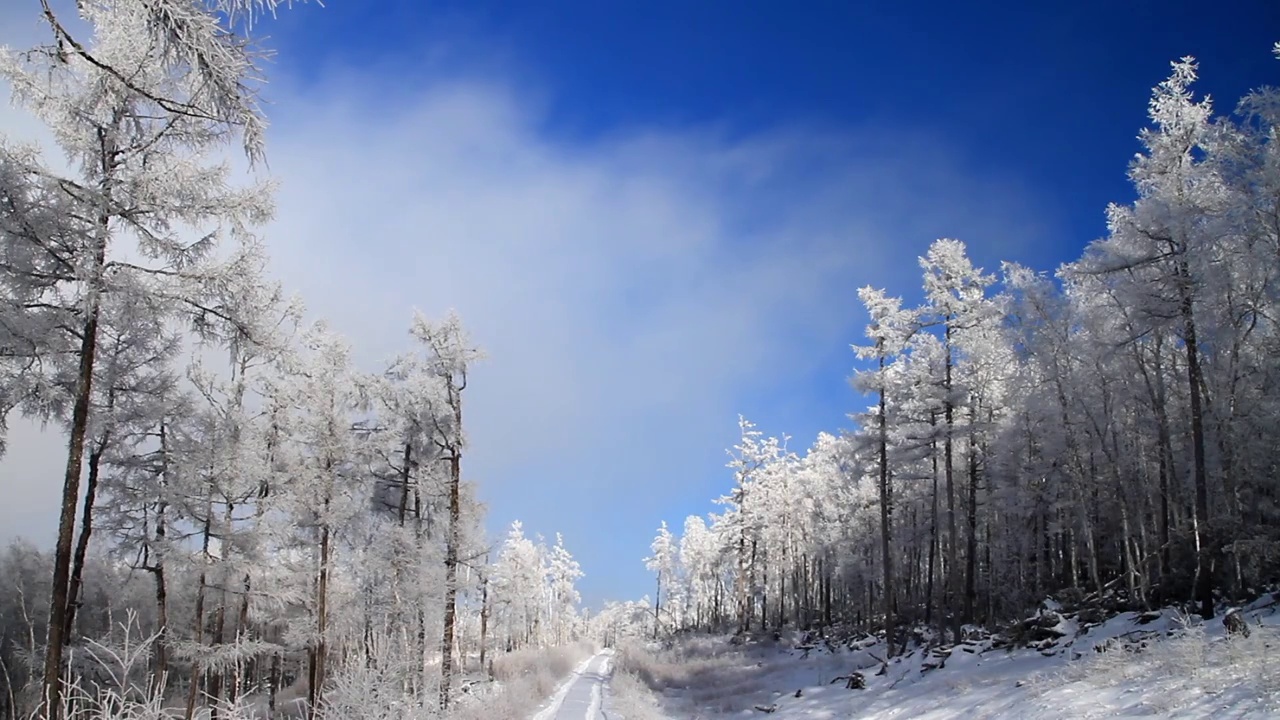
1133 665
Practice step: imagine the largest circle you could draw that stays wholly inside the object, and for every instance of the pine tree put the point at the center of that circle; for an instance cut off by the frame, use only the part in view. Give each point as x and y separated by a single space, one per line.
889 330
140 177
662 563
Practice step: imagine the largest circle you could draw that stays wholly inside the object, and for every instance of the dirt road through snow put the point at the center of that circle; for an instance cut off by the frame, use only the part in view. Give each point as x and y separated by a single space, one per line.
581 697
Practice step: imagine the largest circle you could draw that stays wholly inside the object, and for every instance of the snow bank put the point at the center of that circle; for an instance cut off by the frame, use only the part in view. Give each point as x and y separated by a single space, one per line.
1159 664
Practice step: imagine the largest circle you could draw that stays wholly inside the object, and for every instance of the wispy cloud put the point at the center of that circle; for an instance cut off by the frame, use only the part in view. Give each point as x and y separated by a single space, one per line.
631 291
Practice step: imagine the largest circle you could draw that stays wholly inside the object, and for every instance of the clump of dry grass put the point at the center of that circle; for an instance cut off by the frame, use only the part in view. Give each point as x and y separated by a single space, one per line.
123 689
689 664
632 699
524 679
704 673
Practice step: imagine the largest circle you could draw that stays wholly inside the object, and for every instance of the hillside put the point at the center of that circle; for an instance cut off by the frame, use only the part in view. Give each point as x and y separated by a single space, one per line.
1158 664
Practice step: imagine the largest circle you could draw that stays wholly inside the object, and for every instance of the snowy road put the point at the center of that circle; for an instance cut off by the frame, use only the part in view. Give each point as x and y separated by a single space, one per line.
582 696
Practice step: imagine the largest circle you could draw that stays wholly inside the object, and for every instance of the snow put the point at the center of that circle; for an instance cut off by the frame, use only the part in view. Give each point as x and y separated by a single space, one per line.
580 695
1133 665
549 709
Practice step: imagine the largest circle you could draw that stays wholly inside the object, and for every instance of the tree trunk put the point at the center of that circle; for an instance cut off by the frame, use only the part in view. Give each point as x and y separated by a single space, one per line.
741 580
242 631
161 653
657 605
86 518
825 572
403 510
484 616
451 570
886 513
273 685
51 690
1167 467
316 669
751 587
455 539
971 517
953 535
197 673
1204 583
933 526
82 543
51 686
216 679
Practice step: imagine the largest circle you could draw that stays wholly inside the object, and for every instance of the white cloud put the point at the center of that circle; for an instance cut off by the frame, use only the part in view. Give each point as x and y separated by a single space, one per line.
629 291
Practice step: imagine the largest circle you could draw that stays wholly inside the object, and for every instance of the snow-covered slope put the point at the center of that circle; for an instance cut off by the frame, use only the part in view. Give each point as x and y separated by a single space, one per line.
1132 665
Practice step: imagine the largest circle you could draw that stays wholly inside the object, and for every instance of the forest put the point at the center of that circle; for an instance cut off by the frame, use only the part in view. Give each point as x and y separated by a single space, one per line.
251 525
249 522
1105 433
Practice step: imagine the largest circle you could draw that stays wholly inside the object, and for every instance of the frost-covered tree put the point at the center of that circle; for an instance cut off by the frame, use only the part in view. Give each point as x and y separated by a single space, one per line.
700 554
1098 433
517 587
203 41
622 620
955 292
889 331
563 573
142 212
662 563
745 513
449 353
532 590
1161 250
329 486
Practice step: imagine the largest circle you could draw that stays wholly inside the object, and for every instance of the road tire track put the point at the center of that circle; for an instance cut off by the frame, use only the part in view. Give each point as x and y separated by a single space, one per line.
582 696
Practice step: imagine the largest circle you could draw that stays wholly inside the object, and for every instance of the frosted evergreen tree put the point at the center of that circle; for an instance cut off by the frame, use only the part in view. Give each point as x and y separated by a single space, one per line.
662 563
143 211
563 573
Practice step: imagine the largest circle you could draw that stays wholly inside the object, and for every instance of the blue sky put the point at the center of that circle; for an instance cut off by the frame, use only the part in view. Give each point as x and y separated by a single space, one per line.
1039 102
656 215
1053 94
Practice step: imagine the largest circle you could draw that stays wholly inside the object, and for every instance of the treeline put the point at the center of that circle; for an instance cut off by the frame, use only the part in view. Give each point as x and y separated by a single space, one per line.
1107 432
245 513
242 642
